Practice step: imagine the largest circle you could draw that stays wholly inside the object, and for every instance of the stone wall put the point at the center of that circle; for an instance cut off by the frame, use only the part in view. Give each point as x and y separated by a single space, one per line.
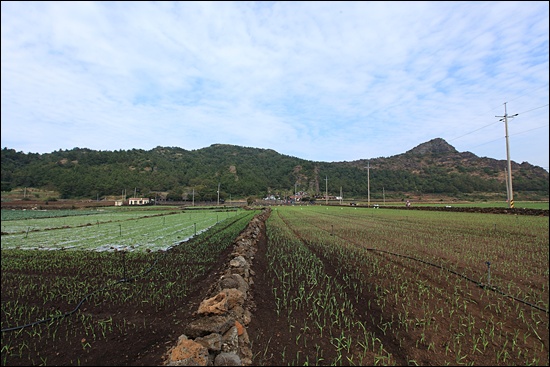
218 337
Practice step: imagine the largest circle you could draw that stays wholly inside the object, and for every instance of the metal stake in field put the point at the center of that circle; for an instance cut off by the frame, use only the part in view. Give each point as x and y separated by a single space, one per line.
326 190
124 263
488 273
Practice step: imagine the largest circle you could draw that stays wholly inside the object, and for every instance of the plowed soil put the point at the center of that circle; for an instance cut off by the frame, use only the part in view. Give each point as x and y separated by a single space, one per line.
268 333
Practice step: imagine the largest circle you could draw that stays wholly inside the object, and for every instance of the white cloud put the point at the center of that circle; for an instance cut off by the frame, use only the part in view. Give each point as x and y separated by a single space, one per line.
324 81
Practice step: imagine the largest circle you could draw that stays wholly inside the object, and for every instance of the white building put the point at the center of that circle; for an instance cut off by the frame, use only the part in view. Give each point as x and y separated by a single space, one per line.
138 201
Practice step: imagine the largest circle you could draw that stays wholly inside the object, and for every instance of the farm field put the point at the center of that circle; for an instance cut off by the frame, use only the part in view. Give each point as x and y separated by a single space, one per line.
494 204
332 286
357 286
104 230
86 306
542 205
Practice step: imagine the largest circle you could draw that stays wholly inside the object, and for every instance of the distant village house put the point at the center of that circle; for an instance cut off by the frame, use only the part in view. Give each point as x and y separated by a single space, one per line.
138 201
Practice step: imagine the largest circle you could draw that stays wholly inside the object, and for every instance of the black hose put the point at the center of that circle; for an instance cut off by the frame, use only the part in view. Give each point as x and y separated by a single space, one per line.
98 290
440 267
485 286
65 314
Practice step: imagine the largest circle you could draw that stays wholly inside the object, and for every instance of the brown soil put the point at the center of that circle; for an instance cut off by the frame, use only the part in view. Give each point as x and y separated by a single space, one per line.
144 346
57 204
274 344
269 334
82 204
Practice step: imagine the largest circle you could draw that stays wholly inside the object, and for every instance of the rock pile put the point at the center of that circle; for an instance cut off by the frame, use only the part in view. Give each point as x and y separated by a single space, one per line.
218 337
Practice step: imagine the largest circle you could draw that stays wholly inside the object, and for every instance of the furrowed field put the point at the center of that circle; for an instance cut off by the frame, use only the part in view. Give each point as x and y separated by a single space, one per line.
397 287
108 288
101 230
332 286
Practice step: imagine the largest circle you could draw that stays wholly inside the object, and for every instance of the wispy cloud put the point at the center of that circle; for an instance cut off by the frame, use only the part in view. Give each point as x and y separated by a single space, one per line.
324 81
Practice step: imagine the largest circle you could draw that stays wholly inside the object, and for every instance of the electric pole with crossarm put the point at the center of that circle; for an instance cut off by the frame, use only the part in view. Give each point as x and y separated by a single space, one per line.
368 184
326 190
509 178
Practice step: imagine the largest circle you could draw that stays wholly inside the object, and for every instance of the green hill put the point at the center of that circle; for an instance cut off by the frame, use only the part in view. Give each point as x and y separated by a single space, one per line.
432 168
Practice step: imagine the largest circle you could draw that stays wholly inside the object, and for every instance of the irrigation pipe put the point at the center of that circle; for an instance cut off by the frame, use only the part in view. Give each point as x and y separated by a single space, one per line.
81 302
87 296
485 286
65 314
492 288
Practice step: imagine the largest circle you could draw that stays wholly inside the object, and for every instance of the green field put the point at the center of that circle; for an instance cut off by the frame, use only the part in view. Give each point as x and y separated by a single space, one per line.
104 230
480 204
358 286
65 308
340 285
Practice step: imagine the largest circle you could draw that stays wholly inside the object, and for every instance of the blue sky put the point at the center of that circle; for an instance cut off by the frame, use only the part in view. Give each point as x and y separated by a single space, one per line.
322 81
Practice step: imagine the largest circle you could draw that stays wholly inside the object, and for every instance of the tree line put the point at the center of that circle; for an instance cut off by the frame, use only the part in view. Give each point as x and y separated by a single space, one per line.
240 172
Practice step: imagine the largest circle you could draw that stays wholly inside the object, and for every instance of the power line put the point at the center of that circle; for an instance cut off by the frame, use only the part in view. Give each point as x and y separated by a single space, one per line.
486 143
474 131
493 123
536 108
521 95
510 135
535 128
498 121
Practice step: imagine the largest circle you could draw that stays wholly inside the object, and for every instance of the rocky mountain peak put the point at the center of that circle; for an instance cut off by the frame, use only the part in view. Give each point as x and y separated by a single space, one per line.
434 146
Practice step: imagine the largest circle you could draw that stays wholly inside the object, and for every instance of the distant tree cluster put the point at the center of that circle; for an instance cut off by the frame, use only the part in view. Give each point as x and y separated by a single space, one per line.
239 171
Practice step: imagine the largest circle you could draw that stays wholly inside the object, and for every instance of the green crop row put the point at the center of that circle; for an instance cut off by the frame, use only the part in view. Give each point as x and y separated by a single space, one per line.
387 287
110 231
12 214
67 303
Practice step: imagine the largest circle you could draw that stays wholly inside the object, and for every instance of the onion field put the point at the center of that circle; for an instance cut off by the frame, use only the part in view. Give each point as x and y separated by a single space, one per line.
332 286
364 286
112 291
105 230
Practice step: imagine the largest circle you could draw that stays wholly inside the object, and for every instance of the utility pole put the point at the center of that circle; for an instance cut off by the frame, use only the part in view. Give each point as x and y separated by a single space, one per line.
384 195
507 185
193 196
509 178
218 193
368 184
341 197
326 190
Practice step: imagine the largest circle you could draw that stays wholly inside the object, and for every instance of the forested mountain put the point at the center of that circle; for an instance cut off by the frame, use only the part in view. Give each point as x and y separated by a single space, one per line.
434 167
